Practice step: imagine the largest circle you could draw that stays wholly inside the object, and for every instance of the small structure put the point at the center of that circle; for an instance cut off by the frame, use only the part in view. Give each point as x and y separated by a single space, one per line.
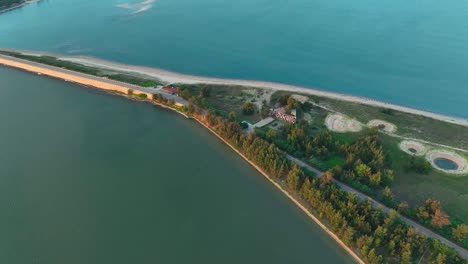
447 161
382 125
280 113
413 148
173 90
264 122
342 124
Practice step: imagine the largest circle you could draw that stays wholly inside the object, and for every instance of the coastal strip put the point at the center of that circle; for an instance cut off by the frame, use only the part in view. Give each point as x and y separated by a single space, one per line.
170 77
173 77
106 85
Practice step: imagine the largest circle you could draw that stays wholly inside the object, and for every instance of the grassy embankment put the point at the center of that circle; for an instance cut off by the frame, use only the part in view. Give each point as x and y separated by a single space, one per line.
113 75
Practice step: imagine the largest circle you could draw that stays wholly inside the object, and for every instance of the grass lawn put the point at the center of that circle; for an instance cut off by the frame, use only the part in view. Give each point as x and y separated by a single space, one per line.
415 188
229 98
408 186
409 125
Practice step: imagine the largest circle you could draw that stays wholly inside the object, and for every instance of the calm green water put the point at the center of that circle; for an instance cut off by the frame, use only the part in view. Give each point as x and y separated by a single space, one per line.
411 53
87 177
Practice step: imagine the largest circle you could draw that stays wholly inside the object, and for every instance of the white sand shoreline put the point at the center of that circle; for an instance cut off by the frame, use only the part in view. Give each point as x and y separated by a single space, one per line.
174 77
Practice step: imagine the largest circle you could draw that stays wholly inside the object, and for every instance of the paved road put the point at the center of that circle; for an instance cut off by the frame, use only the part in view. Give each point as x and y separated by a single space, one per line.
463 252
101 79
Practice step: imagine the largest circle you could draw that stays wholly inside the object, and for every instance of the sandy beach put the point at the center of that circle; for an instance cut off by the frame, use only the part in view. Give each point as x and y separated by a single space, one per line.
174 77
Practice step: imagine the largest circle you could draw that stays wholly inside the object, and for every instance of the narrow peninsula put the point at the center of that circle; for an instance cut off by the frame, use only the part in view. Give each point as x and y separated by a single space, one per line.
345 161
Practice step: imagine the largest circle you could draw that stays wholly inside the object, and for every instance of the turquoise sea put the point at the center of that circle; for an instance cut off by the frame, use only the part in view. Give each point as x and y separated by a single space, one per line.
411 53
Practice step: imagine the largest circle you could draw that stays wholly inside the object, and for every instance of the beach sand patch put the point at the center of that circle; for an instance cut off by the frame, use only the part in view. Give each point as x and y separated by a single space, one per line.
340 123
413 147
447 161
382 125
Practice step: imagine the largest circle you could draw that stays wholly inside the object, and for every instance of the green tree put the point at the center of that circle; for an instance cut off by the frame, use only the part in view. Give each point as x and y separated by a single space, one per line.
248 108
232 116
271 134
419 165
265 111
294 177
373 258
363 170
440 259
191 105
387 193
375 179
460 232
205 91
283 100
326 178
440 219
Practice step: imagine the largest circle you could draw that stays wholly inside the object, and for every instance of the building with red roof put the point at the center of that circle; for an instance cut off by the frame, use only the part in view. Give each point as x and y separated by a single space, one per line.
171 89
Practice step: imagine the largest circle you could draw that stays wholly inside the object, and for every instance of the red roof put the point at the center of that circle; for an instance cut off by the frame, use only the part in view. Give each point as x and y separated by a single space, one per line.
171 89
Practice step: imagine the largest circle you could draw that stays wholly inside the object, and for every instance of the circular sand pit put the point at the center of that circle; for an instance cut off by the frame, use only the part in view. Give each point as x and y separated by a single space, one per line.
413 147
382 125
340 123
447 161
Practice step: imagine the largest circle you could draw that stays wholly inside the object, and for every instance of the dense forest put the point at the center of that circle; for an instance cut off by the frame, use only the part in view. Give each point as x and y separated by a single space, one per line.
376 236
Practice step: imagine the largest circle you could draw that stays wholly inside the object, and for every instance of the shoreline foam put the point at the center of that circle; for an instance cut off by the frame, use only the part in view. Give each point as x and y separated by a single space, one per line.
174 77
